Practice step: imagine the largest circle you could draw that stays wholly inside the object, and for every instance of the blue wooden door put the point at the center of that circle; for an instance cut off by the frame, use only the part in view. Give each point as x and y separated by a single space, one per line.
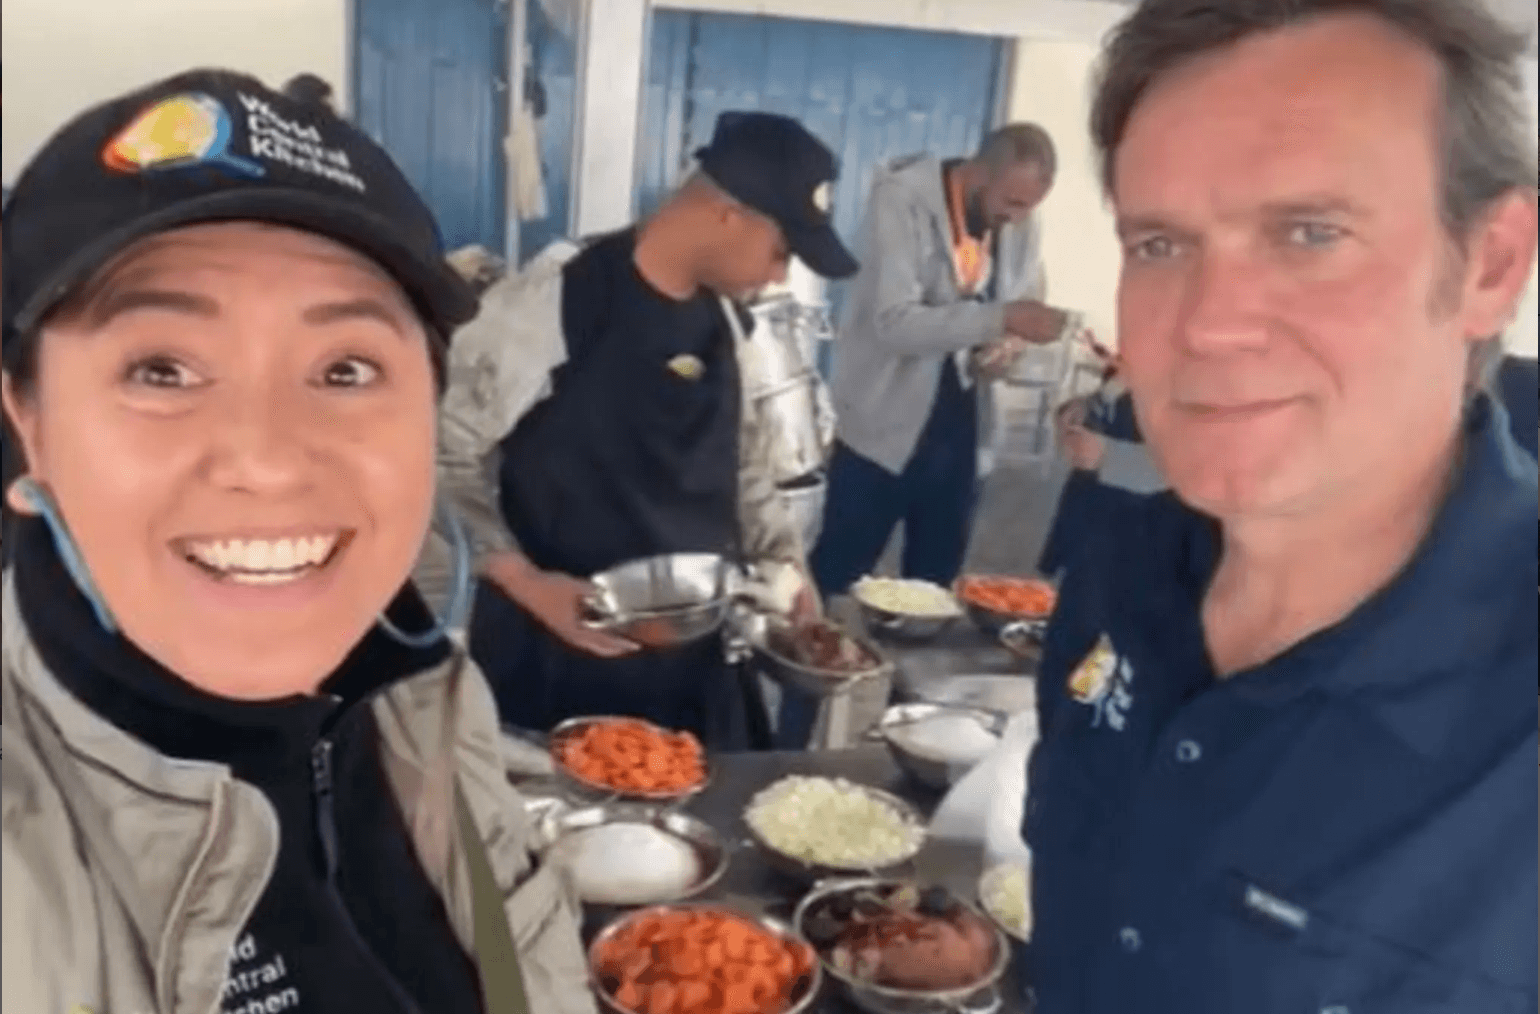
552 74
431 87
871 94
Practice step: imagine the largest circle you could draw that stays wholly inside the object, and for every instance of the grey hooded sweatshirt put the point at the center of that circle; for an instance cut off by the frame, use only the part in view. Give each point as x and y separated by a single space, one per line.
905 315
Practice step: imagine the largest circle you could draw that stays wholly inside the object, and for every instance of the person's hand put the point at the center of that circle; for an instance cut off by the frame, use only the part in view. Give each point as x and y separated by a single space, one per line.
557 602
805 608
1083 448
1035 322
994 361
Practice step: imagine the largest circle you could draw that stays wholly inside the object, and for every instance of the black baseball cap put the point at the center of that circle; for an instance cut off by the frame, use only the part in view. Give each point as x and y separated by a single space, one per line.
773 164
213 146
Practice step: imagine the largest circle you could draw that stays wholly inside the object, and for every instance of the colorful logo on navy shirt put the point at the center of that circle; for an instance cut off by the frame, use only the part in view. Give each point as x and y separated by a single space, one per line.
1103 681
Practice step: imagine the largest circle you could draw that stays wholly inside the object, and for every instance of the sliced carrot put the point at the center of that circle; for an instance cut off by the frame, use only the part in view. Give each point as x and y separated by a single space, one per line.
701 962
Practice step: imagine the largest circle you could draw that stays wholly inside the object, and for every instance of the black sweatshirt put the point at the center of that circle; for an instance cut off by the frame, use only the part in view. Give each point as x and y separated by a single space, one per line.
349 920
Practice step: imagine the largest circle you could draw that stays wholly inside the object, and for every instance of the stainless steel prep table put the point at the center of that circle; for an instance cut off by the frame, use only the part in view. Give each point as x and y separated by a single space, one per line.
751 885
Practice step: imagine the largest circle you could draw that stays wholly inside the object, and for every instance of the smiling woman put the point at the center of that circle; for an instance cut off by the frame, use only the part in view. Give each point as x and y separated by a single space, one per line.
223 699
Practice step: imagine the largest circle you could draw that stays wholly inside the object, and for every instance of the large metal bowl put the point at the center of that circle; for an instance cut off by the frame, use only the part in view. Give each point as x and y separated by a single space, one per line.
710 848
935 772
809 679
776 353
809 872
587 791
791 410
804 500
901 626
994 622
803 996
982 997
663 601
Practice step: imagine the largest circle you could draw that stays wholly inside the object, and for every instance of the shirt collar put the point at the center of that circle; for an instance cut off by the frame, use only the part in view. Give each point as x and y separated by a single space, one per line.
1437 643
1429 647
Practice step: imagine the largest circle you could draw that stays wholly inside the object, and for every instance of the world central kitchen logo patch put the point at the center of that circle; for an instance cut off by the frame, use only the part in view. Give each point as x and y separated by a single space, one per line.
194 129
1104 682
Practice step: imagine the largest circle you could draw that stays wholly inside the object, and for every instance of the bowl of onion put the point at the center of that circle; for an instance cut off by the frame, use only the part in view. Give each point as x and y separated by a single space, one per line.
812 828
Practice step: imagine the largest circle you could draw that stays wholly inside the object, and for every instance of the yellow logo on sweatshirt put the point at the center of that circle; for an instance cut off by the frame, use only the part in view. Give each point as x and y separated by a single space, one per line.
687 367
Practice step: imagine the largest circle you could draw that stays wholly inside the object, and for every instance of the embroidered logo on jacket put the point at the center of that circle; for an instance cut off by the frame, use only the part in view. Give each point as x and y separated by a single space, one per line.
687 367
258 981
1104 682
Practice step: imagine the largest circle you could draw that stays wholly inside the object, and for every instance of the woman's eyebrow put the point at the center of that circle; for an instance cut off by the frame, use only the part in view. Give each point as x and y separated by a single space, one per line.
118 301
364 308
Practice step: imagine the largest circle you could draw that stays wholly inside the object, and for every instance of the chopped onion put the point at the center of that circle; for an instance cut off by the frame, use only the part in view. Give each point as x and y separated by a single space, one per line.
1004 895
906 597
832 822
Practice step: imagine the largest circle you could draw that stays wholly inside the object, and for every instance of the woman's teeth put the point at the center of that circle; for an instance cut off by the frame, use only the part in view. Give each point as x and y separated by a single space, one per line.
263 561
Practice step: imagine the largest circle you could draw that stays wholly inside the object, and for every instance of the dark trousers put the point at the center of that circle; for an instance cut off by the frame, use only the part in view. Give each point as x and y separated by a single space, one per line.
538 681
934 497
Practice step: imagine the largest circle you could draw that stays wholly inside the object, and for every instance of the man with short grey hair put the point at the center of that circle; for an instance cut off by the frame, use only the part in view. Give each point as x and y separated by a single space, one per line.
1288 711
949 292
951 269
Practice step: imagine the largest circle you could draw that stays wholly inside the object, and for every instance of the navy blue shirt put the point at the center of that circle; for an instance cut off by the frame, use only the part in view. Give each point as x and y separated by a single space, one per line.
1349 828
1518 384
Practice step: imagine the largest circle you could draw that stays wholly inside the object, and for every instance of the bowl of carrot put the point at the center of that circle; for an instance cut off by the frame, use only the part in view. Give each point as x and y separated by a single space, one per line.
605 757
996 602
702 959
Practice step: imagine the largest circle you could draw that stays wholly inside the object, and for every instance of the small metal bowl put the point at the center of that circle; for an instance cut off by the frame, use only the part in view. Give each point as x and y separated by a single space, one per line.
934 772
584 790
1025 638
710 848
807 872
808 679
980 997
992 621
804 994
902 626
662 601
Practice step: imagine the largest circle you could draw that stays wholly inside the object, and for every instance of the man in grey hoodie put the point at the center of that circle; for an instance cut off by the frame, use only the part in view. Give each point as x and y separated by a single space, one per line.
949 293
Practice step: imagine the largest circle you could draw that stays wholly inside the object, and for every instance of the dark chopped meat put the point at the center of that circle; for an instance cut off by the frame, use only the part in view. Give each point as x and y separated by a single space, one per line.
916 940
821 646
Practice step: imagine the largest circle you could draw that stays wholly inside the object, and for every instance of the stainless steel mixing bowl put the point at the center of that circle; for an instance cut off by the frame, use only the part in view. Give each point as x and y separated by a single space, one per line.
982 997
663 601
804 992
711 850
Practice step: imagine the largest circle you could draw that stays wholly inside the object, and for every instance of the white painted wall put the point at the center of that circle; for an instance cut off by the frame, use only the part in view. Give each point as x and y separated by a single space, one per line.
1080 20
609 110
1051 87
62 56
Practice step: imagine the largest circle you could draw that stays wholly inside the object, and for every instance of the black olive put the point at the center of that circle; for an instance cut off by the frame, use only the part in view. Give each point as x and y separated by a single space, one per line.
936 901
